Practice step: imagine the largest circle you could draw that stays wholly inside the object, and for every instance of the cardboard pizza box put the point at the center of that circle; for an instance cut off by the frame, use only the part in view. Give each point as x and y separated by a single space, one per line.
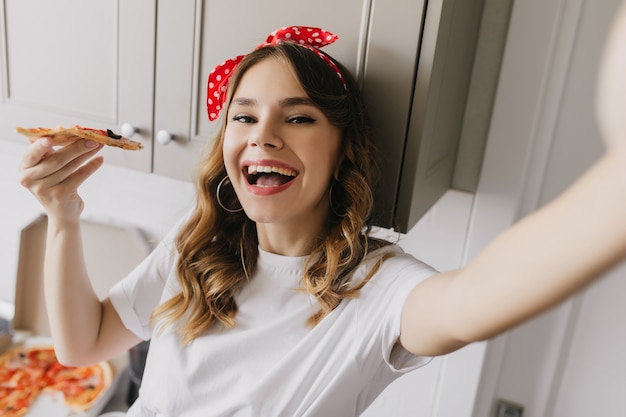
111 251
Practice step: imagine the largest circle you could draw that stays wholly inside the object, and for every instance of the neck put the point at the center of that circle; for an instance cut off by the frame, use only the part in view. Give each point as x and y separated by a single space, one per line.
287 240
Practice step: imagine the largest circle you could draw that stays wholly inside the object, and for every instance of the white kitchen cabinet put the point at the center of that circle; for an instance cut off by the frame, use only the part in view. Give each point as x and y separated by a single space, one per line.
205 33
79 62
145 63
413 59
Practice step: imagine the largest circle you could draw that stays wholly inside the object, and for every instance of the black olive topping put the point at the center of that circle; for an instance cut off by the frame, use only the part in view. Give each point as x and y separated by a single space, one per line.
113 135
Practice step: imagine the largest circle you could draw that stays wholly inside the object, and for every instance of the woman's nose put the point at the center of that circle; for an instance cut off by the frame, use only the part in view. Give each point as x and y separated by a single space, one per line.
266 135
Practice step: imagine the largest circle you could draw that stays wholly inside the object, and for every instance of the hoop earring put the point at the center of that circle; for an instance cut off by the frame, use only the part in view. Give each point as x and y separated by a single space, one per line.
330 202
219 200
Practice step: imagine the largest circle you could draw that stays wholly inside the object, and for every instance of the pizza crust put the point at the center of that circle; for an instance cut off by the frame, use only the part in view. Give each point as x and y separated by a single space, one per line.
61 136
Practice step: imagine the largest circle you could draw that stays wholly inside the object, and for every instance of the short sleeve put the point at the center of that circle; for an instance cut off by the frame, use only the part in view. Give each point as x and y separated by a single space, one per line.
396 357
380 312
137 295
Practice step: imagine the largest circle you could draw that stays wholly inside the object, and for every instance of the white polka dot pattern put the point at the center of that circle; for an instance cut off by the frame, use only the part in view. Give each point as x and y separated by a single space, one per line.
307 37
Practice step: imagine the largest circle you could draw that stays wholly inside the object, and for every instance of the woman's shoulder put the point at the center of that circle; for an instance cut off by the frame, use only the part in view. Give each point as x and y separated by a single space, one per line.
392 254
392 261
392 273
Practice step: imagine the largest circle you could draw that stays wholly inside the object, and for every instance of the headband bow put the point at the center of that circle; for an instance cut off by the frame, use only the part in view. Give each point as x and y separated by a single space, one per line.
307 37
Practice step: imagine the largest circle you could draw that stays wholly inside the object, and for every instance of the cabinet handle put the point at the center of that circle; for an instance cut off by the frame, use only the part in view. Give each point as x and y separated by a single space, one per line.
163 137
128 130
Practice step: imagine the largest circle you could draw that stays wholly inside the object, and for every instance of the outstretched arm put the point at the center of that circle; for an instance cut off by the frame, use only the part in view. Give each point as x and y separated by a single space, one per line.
537 263
84 329
545 257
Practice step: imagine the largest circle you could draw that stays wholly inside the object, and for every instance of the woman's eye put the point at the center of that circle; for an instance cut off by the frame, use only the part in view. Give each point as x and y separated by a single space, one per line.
301 119
243 118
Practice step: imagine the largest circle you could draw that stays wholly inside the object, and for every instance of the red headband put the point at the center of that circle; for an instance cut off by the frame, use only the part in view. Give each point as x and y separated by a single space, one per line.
307 37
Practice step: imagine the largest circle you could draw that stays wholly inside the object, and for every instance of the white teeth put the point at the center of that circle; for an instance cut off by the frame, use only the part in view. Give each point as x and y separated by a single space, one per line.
255 169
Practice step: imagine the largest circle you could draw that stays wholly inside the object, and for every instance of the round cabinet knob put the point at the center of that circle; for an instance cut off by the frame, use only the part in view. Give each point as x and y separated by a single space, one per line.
128 130
163 137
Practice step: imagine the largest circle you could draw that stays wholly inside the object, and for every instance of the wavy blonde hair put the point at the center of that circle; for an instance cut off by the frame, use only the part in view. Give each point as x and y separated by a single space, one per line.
218 250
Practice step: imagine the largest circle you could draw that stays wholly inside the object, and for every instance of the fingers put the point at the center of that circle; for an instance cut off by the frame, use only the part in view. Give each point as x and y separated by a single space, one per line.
54 175
35 153
84 171
41 160
611 91
64 165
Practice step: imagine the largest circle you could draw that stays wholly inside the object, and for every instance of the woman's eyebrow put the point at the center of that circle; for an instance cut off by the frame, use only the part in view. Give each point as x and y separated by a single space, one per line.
285 102
244 101
296 101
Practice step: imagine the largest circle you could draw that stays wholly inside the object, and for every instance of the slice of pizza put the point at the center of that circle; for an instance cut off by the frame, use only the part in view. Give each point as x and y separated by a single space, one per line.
19 383
15 403
25 373
61 136
81 386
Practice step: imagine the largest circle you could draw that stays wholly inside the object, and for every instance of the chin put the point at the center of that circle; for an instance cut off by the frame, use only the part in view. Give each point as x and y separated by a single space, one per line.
263 216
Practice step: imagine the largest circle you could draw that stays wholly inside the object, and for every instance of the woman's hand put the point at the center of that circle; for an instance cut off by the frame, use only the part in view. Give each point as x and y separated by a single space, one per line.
54 175
611 91
84 329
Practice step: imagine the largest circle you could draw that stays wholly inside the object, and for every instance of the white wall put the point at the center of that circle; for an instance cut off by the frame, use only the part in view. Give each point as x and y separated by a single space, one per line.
543 135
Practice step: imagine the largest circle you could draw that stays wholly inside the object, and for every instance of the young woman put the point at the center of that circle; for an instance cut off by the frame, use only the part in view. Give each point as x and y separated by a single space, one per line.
270 298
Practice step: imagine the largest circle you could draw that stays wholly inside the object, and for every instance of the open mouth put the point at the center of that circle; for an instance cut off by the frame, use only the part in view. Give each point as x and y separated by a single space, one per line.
269 176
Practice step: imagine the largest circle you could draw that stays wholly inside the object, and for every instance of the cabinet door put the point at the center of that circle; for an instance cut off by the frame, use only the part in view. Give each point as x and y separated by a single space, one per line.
417 117
79 62
420 144
195 36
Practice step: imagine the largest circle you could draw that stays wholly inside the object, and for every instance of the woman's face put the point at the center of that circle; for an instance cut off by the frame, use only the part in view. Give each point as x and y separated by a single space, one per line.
280 150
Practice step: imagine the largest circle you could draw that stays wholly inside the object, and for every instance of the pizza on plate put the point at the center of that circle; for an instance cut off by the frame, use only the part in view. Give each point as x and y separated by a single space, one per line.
26 373
61 136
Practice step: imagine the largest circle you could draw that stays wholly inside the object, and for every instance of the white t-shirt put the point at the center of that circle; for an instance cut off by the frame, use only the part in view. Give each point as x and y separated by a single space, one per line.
272 364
